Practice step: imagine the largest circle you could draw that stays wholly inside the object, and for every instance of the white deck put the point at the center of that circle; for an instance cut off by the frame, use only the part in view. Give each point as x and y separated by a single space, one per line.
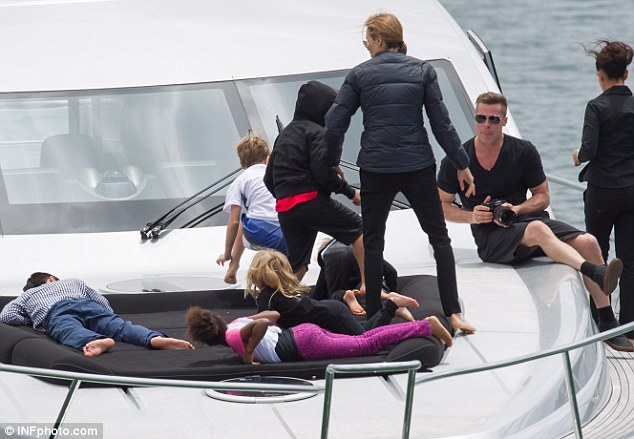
517 311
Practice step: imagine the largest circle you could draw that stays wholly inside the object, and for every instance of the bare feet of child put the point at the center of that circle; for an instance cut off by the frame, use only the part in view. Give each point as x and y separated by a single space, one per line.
400 300
458 322
350 299
97 347
404 313
361 290
170 343
439 331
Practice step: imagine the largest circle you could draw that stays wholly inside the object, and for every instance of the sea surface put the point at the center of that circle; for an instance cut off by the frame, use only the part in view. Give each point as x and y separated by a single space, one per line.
545 73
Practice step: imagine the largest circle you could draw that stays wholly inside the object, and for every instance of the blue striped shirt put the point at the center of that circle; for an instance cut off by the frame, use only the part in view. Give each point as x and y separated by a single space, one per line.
32 306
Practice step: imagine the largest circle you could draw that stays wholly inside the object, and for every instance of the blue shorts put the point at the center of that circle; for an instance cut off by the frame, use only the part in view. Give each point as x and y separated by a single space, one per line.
260 234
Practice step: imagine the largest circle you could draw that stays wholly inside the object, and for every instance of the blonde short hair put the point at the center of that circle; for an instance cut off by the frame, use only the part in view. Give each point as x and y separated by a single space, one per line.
252 149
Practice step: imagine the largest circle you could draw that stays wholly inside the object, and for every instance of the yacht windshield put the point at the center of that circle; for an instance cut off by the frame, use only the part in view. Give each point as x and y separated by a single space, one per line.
110 160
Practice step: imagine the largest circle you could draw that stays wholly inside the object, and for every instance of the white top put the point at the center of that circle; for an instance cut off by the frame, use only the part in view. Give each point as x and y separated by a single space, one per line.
248 190
264 351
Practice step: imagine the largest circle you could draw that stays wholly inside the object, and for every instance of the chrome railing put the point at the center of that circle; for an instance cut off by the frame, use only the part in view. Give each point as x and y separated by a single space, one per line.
566 183
408 366
563 350
379 368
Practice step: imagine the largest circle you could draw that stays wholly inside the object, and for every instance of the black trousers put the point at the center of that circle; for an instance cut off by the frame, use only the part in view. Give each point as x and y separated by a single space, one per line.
607 209
344 322
419 187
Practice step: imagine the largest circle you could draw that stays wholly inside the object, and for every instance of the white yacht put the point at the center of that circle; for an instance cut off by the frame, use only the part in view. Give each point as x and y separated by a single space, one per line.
114 113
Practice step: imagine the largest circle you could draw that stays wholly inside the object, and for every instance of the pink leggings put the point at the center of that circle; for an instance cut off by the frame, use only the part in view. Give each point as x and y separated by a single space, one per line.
315 343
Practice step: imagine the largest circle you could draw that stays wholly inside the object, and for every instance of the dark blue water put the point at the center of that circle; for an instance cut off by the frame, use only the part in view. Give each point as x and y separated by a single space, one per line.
545 73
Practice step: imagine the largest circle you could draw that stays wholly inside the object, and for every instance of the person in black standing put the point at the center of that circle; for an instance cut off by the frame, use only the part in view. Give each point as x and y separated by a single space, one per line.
392 89
300 179
607 145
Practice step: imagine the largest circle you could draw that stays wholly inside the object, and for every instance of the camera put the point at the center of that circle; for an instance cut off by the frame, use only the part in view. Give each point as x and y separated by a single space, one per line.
503 215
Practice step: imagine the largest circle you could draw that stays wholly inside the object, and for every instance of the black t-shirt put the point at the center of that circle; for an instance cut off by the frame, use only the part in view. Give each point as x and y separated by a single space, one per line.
518 168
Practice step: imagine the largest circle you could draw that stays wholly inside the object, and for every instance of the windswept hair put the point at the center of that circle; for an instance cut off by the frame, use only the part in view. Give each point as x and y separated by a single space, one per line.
252 149
271 268
205 326
36 280
387 27
612 57
493 98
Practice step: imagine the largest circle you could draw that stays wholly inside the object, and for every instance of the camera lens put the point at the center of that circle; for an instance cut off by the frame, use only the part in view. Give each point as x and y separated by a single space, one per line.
504 216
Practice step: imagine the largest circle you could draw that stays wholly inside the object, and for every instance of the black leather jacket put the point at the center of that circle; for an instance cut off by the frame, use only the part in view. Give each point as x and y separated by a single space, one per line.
608 139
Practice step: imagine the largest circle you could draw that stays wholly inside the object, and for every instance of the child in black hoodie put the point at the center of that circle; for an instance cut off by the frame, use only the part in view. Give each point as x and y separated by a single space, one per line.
301 181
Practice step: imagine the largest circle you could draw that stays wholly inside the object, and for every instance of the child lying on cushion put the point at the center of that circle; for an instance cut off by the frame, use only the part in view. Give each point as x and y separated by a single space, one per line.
75 315
258 340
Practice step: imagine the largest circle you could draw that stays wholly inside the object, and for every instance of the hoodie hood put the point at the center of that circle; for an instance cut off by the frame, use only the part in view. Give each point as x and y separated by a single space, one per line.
313 102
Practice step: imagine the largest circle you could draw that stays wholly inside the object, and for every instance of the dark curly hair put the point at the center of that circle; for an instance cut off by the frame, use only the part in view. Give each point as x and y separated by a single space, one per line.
37 279
612 57
205 326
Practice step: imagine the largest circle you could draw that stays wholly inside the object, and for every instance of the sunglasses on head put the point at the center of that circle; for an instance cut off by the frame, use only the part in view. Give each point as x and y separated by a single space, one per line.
480 118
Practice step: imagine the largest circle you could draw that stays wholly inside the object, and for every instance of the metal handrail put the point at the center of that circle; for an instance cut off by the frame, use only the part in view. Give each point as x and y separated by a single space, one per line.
566 183
411 367
406 366
564 350
77 378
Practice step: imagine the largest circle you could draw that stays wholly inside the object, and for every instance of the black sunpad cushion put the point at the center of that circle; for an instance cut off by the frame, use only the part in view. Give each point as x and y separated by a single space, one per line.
165 312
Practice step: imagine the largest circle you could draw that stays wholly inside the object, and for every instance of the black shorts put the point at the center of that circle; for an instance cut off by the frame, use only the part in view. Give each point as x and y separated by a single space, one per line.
323 214
502 245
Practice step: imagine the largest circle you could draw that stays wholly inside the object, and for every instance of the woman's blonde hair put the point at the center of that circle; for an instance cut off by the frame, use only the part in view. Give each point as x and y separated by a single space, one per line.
271 268
387 27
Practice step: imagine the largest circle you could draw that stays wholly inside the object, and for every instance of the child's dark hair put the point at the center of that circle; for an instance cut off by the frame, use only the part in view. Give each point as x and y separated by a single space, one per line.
205 326
612 57
36 280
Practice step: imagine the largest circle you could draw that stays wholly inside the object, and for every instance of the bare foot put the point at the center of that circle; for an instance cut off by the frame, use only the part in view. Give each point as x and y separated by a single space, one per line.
401 300
97 347
458 322
170 343
350 299
404 313
439 331
361 290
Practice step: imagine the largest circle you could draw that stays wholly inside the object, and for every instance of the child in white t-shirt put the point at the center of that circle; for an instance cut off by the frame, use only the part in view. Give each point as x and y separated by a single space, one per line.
258 227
